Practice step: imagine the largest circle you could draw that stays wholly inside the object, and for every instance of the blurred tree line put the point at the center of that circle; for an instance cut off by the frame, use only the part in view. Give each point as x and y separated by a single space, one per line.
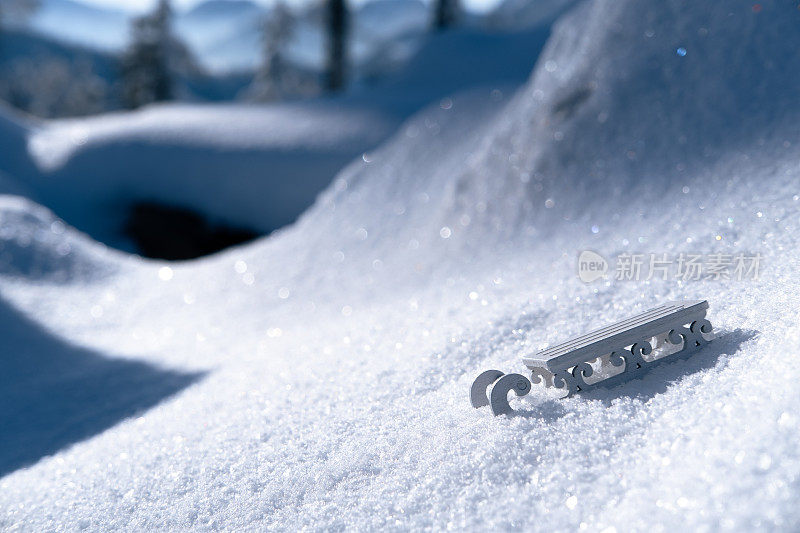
156 59
49 85
15 9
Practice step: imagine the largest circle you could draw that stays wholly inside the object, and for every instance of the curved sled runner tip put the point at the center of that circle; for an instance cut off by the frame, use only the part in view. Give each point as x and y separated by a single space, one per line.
477 393
498 398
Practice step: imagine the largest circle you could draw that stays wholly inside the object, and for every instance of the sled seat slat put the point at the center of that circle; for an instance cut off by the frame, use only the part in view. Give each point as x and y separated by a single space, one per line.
603 340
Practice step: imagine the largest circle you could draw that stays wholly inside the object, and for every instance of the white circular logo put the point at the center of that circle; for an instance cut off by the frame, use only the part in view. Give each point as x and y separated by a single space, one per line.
591 266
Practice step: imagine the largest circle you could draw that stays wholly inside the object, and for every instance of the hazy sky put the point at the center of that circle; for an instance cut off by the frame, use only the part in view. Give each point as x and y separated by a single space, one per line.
140 5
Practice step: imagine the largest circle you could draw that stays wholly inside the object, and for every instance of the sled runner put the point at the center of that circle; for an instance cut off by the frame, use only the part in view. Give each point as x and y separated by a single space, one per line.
604 357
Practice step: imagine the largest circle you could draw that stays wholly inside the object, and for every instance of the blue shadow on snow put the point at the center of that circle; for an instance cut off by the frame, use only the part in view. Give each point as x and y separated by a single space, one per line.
54 394
657 380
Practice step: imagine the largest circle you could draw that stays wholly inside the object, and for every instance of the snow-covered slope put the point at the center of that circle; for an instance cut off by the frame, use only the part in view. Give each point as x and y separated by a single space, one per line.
224 35
664 111
251 166
318 378
255 167
524 13
448 62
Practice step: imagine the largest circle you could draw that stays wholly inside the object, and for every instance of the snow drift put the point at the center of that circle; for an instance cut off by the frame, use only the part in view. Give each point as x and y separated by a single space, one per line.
252 166
635 100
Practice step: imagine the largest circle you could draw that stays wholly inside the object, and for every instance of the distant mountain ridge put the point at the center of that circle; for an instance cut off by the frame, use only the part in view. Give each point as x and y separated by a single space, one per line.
215 8
75 22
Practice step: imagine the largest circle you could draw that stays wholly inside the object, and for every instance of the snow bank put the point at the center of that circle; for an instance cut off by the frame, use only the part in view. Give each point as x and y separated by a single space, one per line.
461 58
521 13
337 354
36 246
252 166
256 167
634 101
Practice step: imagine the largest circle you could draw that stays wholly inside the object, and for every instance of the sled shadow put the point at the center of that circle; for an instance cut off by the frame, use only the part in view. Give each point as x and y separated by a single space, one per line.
54 394
548 410
660 378
656 381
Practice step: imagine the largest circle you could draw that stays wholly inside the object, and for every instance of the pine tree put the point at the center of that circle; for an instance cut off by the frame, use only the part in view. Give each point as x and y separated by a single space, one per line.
337 44
146 76
270 80
446 13
15 11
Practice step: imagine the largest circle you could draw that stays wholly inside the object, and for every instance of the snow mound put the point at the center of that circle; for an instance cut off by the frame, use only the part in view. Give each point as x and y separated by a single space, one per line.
599 126
36 245
252 166
448 62
630 99
523 13
255 167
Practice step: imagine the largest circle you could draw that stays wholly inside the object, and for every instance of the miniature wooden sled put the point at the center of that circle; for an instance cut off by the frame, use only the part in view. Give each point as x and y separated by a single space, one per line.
604 357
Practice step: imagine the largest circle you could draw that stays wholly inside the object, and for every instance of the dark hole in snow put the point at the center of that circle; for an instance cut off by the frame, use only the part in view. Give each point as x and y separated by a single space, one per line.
176 233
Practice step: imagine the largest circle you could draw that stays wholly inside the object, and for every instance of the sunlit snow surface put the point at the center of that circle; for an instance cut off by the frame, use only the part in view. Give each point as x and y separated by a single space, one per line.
319 378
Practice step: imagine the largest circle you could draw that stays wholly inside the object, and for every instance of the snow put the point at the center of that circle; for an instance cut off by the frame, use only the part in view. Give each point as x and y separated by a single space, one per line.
318 378
463 57
252 166
521 13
